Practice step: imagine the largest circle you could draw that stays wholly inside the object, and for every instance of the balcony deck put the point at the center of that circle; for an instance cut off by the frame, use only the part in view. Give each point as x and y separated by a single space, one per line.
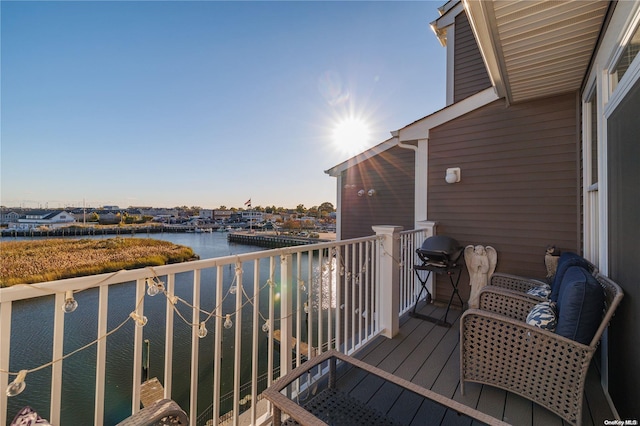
428 355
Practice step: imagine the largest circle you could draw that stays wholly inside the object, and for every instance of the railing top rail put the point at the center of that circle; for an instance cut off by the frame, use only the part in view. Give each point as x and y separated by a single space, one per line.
27 291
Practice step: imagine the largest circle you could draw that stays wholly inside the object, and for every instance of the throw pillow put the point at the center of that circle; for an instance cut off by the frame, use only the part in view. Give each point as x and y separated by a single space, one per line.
543 315
581 306
542 292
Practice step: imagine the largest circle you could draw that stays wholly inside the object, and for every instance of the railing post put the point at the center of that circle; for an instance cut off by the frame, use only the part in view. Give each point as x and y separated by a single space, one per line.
286 308
388 279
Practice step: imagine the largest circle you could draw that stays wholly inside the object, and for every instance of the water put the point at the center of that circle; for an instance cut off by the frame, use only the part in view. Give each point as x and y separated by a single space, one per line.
32 336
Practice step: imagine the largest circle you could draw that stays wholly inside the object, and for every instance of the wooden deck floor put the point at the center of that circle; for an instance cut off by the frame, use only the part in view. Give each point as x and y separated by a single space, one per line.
428 355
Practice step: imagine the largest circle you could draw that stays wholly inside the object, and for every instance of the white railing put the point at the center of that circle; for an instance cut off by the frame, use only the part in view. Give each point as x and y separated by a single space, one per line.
211 333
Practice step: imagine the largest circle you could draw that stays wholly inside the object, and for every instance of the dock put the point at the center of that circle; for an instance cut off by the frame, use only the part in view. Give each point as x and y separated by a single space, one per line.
304 347
271 241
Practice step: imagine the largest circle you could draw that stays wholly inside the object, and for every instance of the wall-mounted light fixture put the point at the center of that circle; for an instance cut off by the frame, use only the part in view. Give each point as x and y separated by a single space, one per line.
370 192
453 175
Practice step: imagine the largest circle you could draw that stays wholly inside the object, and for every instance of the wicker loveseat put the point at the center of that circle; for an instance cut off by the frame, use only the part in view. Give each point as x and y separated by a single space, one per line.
499 348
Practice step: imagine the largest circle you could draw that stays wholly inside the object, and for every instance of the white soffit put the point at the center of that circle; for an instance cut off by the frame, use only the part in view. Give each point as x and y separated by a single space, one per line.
537 48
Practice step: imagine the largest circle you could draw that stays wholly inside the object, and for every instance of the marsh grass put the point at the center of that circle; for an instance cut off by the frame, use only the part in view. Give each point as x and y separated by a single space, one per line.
27 262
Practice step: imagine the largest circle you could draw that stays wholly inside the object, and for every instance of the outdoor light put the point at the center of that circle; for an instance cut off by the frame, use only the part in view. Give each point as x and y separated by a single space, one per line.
18 385
265 327
361 193
140 321
202 330
70 303
453 175
154 286
371 192
227 322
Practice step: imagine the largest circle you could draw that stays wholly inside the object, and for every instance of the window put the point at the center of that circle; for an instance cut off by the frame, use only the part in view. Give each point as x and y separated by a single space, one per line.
593 104
628 55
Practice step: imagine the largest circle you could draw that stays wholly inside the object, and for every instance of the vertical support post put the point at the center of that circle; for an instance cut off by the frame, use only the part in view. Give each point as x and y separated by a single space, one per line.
137 347
56 368
286 308
101 354
388 280
5 338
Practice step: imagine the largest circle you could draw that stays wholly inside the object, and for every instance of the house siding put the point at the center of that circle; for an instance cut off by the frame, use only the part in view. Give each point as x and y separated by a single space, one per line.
519 190
623 152
469 73
391 175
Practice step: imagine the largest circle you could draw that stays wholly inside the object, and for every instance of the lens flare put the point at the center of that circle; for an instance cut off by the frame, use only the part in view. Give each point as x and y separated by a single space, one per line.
351 135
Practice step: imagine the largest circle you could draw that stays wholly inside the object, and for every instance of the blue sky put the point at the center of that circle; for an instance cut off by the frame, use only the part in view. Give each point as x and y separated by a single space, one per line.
203 103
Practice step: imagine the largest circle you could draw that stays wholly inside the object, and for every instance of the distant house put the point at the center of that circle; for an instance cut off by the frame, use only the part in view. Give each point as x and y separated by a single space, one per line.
48 218
538 142
9 217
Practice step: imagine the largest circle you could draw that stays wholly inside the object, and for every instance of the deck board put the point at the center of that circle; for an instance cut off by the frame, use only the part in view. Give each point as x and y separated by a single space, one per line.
428 355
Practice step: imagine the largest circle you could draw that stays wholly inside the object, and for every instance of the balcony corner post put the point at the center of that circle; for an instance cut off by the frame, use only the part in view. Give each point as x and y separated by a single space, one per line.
388 279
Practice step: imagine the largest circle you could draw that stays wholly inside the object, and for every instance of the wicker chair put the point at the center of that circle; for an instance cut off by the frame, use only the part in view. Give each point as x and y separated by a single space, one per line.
498 348
519 284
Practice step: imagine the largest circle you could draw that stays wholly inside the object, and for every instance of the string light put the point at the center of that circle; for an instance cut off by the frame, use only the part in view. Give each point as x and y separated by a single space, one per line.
17 386
265 327
141 321
202 330
70 303
227 322
154 286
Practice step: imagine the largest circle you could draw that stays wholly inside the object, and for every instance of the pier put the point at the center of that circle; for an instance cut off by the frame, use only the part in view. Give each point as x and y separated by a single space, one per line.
271 241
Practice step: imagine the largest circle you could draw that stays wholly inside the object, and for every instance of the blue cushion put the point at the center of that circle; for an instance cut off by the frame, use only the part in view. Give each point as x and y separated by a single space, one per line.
581 305
543 315
566 261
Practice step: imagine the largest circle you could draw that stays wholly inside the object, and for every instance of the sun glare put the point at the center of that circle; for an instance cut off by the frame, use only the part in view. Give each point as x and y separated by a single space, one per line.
351 135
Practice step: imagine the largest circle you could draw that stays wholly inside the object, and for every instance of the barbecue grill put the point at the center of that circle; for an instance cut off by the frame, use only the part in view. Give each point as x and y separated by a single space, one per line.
443 255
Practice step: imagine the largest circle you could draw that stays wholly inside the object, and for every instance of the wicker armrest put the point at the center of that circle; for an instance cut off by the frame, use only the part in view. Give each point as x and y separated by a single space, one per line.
505 302
515 282
162 412
534 363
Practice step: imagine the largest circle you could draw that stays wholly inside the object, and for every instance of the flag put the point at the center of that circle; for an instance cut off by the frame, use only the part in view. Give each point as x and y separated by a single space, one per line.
248 202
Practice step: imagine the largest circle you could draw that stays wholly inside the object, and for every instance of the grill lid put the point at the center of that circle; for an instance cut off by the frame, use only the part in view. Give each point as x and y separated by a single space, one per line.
440 249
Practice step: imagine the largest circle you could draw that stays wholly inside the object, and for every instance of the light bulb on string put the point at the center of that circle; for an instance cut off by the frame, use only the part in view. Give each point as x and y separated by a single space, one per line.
233 289
202 330
265 327
152 288
140 321
302 286
227 322
18 384
70 304
306 308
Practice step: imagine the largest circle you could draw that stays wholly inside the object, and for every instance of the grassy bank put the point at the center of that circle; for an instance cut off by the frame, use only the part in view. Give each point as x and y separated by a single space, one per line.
54 259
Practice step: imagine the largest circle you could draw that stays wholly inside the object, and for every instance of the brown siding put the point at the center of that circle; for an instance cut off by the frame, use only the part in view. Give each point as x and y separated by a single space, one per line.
623 151
519 187
391 175
469 72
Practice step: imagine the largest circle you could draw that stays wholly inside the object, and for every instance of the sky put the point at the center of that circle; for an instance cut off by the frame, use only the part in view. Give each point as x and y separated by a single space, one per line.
204 103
